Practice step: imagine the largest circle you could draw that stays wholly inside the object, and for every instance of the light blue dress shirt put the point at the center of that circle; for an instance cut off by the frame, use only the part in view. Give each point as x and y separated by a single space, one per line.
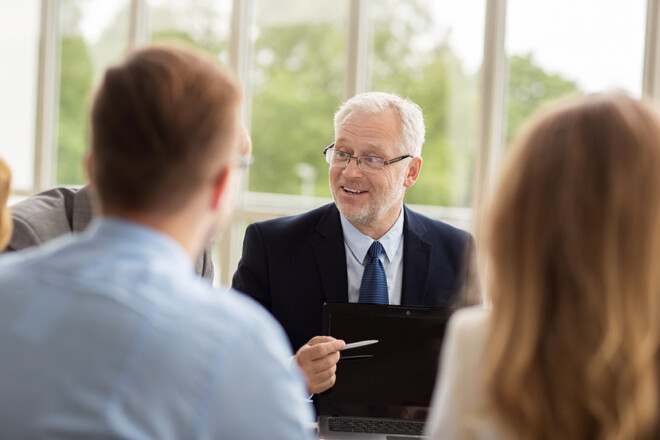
110 334
357 244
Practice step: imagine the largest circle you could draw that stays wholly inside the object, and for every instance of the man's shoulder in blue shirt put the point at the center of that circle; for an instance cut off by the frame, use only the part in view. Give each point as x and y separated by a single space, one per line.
111 333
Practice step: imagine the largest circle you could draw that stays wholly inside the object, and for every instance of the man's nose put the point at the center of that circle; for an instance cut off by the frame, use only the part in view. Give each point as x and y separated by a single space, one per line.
352 168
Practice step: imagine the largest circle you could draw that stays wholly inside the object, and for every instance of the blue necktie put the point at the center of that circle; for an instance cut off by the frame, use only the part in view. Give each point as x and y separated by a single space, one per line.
374 282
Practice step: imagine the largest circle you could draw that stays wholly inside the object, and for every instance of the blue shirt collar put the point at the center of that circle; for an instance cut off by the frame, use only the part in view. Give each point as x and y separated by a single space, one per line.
359 244
140 239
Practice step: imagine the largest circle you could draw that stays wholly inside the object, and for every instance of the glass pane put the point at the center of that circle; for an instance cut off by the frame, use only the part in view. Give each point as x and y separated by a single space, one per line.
431 51
299 60
94 34
19 56
202 23
598 46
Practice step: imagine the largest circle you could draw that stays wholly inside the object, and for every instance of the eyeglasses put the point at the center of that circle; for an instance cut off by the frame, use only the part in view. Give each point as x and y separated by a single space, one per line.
242 161
366 163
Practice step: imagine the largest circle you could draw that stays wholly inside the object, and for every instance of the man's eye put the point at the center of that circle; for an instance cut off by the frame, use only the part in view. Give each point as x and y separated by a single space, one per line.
342 154
372 159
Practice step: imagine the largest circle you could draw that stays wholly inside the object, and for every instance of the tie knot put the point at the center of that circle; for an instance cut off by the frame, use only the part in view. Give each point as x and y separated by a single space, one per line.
375 249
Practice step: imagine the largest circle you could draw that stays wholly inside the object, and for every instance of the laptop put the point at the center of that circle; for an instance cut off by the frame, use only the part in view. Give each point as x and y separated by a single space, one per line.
383 390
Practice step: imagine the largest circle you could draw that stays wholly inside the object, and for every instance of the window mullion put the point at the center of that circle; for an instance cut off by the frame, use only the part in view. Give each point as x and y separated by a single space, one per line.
493 74
651 84
358 48
45 152
138 26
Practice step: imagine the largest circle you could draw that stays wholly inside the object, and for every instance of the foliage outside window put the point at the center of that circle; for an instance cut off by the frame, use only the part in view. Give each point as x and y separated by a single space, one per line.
299 60
89 43
297 83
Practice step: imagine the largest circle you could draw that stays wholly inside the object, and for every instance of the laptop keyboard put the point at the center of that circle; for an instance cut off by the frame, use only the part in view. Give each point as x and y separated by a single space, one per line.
407 427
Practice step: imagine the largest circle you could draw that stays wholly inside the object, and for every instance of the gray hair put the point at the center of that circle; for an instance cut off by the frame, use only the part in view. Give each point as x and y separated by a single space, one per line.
374 103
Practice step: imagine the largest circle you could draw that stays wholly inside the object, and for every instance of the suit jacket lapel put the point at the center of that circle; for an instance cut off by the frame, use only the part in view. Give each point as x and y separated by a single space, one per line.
331 256
416 260
82 210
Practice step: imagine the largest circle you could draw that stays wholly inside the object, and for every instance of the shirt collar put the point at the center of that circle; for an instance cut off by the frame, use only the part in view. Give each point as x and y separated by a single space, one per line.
138 238
359 244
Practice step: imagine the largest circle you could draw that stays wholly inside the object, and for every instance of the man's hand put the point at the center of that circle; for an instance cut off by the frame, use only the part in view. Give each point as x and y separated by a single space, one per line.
318 360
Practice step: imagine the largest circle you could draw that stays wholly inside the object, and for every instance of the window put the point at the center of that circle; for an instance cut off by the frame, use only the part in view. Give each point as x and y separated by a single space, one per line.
19 56
431 53
558 48
299 60
94 34
297 66
204 24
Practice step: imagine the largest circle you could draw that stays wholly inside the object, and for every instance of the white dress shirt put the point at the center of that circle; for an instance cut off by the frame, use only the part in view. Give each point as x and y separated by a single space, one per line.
357 244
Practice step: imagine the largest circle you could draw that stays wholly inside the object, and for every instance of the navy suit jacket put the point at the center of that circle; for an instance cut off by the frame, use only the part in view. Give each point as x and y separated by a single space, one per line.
292 265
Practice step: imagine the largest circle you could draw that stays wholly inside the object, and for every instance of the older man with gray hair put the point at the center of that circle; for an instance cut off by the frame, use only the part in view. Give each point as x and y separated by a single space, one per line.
367 246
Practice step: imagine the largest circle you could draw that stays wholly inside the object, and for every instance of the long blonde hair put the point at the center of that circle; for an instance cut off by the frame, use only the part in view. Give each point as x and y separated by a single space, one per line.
6 224
574 242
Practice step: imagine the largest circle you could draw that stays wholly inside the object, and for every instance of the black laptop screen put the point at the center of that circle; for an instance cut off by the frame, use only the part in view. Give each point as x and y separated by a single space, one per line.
393 378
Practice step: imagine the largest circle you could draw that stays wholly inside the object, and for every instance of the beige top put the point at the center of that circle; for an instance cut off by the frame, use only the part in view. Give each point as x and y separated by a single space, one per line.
456 407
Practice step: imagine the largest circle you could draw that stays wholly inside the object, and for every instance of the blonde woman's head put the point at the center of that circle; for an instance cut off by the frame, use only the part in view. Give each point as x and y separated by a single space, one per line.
574 241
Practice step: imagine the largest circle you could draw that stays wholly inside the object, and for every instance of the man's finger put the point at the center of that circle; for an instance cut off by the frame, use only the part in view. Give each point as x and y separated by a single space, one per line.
324 363
320 339
325 348
319 388
320 367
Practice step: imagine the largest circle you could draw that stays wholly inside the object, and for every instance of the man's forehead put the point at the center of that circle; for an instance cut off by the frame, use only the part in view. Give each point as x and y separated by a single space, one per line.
378 131
363 141
386 114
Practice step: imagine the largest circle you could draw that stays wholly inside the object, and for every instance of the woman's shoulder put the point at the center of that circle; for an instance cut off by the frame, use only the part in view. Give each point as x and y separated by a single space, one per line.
467 332
470 318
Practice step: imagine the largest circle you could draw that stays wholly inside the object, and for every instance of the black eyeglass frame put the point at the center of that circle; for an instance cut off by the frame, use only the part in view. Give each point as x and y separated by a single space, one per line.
357 158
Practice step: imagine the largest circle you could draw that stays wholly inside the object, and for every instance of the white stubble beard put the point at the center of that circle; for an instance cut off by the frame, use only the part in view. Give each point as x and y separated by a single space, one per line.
367 215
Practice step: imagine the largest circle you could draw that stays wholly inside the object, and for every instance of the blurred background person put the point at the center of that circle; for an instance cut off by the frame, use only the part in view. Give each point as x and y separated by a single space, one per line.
65 210
570 347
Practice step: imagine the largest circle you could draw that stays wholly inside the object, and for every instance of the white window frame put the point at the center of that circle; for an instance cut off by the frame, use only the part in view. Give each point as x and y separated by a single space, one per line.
256 206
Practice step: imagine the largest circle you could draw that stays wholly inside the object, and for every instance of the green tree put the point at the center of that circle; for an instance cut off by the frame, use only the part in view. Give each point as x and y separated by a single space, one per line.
530 89
298 75
197 24
298 82
75 84
79 70
433 77
297 85
435 80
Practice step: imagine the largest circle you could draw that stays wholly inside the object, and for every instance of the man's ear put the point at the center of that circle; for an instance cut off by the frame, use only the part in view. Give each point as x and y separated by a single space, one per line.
413 172
221 187
89 167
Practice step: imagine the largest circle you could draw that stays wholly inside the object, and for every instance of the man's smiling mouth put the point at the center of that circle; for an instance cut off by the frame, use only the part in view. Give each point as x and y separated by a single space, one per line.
352 190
